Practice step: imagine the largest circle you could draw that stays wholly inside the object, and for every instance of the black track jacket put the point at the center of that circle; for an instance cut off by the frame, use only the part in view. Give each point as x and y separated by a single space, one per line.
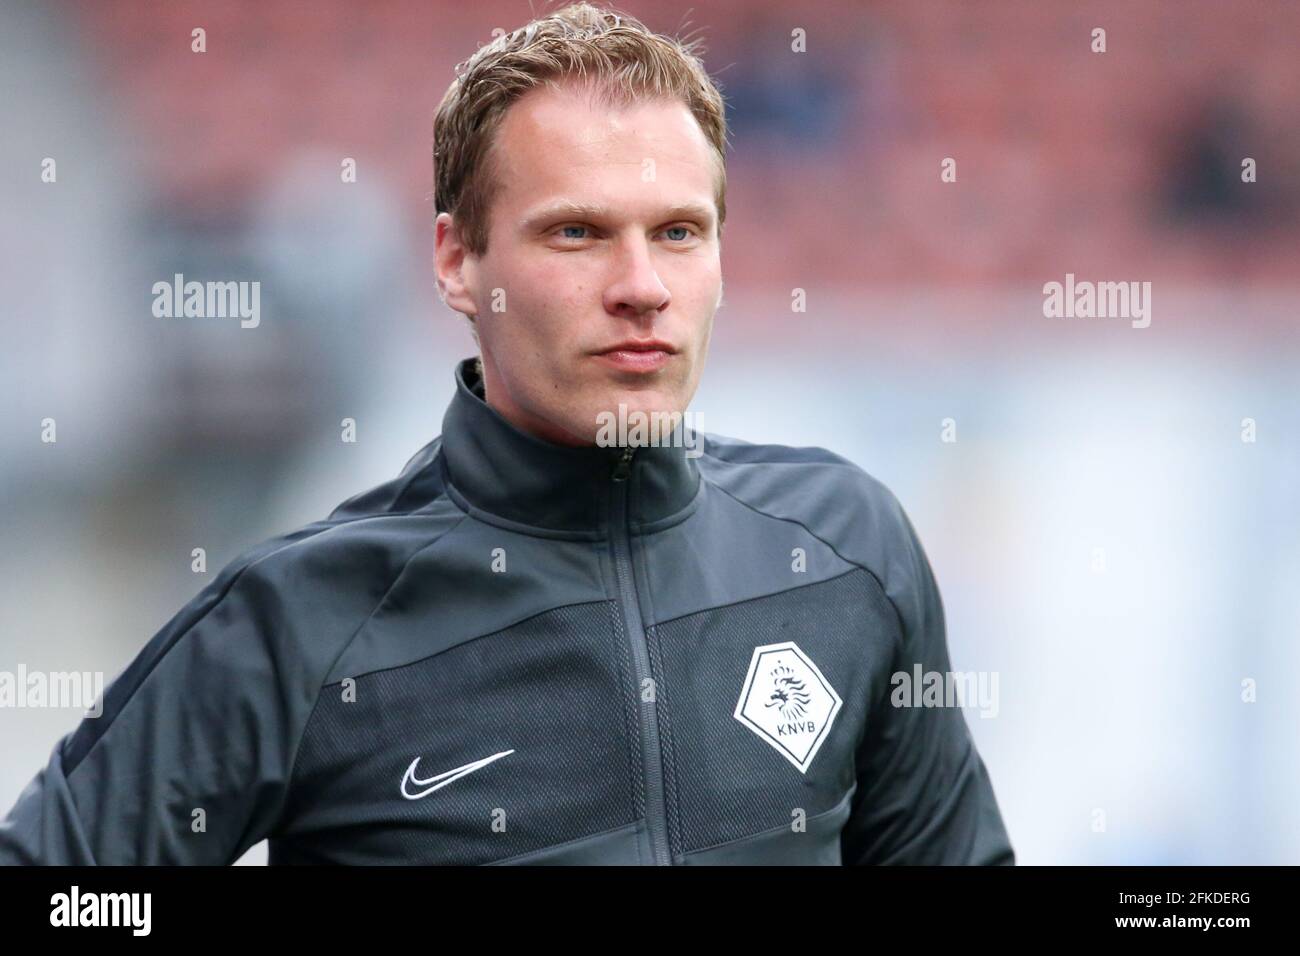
518 652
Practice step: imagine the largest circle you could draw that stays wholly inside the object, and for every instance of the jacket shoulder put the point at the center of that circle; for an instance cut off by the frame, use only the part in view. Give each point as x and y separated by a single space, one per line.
284 609
357 552
802 483
849 510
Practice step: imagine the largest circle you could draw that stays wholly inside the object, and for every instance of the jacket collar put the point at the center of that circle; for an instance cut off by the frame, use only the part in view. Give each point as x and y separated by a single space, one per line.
513 475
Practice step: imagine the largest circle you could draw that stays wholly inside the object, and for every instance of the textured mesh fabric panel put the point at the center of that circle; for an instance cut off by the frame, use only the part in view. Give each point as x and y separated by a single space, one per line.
667 746
554 689
631 705
723 781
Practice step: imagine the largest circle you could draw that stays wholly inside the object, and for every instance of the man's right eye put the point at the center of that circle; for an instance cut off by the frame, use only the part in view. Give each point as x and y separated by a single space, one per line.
566 232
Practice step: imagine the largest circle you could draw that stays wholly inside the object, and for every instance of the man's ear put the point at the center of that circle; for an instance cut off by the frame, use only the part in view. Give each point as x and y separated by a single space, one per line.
449 261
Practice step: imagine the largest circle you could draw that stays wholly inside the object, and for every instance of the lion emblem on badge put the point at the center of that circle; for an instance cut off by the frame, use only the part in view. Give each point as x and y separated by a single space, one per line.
788 693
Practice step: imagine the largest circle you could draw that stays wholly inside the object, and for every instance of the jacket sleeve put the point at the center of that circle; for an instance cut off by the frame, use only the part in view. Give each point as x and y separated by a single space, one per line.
923 793
189 760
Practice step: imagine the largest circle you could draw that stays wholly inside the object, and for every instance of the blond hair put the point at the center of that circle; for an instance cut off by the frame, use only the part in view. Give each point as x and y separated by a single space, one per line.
621 59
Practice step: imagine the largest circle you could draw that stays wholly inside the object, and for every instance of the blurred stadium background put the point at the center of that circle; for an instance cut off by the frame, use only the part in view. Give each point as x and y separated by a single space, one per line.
1103 538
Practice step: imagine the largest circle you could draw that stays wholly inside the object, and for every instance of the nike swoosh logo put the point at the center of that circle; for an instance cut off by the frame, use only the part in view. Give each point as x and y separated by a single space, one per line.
441 780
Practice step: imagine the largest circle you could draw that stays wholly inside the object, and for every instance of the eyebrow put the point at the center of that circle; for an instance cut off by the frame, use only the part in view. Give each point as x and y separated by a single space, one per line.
567 208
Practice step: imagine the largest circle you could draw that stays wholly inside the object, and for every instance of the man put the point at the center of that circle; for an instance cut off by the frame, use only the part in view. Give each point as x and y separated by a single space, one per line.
539 644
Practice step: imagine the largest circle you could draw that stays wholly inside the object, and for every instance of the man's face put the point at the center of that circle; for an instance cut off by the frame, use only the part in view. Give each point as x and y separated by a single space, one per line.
603 233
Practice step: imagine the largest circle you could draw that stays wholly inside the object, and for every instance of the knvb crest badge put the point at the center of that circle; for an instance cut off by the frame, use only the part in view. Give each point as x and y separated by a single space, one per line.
787 702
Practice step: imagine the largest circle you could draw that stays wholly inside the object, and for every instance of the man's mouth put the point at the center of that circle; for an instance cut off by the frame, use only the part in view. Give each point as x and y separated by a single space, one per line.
645 356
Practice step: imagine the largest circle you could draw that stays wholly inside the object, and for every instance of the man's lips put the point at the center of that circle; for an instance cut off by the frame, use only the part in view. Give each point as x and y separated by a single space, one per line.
649 356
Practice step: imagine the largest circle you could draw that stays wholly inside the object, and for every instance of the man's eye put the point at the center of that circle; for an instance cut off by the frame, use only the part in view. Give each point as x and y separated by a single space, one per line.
686 233
566 231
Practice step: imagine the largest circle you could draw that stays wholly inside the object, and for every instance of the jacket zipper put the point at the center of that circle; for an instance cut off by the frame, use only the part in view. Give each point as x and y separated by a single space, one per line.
651 755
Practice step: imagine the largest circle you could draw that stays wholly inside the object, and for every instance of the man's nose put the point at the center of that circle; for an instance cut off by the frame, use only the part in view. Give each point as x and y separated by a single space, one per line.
635 288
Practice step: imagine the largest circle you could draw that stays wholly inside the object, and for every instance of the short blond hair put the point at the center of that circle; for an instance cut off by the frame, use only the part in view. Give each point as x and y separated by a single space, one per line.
621 59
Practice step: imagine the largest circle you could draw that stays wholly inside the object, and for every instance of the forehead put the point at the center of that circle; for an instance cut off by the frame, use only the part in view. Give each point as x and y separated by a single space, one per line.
561 143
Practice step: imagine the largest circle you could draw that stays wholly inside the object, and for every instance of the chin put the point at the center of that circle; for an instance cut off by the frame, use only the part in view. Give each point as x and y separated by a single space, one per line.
644 401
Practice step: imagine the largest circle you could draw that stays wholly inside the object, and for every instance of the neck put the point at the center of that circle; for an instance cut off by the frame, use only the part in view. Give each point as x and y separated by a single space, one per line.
500 401
493 465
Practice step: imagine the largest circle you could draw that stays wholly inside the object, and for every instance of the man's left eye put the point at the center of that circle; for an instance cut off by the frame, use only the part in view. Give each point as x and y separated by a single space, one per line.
685 233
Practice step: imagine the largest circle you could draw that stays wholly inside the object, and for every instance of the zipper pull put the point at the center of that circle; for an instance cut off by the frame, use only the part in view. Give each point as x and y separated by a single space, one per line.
623 465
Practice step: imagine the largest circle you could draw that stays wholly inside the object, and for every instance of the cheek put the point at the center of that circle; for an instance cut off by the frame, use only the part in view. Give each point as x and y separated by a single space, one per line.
545 303
695 289
557 295
541 283
563 280
697 276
